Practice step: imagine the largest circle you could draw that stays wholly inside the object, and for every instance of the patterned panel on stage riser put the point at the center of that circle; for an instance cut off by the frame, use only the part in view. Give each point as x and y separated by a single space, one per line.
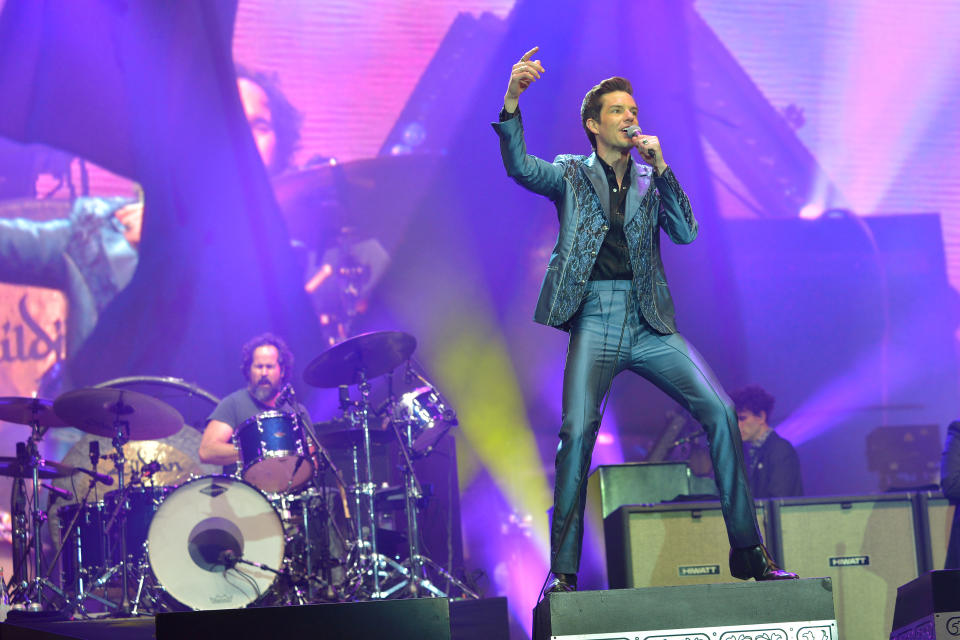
781 610
928 608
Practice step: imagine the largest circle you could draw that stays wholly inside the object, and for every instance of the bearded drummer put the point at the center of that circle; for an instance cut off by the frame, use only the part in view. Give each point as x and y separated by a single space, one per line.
266 363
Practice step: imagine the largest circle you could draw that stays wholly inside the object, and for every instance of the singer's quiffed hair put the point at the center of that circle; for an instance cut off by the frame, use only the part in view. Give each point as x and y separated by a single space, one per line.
264 339
753 399
592 102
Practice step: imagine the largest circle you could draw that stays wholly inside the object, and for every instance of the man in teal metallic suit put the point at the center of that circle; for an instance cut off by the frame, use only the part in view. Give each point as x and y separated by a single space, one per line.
606 285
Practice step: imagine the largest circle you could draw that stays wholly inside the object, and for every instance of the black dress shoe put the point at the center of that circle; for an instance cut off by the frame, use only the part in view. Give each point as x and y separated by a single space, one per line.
756 563
563 583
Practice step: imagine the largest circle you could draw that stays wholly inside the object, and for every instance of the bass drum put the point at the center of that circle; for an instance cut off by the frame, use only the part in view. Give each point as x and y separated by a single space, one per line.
195 527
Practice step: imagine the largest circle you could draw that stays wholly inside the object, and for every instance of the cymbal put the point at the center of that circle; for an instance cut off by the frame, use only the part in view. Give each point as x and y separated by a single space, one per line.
371 354
192 402
11 467
347 438
364 198
29 411
95 410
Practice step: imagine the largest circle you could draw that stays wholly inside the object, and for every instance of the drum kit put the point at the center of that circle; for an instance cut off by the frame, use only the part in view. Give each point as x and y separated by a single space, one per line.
289 527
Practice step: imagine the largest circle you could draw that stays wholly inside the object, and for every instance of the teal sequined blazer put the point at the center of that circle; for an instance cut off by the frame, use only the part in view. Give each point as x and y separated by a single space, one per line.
577 185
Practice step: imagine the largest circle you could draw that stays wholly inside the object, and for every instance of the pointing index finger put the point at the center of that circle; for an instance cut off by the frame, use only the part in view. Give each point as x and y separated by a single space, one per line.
528 54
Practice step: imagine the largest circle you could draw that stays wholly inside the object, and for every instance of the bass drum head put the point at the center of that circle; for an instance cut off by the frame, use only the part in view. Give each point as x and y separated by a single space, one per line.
193 528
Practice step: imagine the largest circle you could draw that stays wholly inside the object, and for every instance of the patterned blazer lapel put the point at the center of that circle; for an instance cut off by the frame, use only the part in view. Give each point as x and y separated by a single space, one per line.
594 172
637 195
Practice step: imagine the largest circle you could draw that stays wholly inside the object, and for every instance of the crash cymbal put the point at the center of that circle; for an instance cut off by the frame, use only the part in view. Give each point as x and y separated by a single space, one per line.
349 437
12 467
369 354
29 411
95 411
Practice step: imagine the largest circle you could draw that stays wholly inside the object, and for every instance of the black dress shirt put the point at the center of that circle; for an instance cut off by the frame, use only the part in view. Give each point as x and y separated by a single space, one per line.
613 259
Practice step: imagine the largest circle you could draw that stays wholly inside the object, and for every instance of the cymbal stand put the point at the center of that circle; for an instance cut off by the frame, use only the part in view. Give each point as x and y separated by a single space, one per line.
37 517
368 487
120 513
416 581
373 562
121 437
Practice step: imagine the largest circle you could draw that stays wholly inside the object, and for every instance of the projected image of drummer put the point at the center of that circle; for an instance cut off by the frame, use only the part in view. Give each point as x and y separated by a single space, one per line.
259 427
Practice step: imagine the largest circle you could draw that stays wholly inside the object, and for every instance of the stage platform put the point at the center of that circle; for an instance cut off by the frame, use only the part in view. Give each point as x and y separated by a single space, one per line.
776 610
420 619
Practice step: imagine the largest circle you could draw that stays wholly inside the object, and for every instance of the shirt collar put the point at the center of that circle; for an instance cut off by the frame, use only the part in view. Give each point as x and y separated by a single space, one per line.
611 176
759 441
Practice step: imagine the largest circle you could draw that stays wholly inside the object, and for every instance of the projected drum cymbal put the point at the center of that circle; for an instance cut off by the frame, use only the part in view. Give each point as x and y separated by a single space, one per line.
369 198
99 410
365 356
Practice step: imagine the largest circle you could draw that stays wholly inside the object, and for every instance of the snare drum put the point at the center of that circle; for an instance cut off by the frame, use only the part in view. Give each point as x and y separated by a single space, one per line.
273 455
199 521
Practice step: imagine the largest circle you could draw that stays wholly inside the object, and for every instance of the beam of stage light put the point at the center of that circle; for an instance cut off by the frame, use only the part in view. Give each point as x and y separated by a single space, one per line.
889 87
476 368
477 371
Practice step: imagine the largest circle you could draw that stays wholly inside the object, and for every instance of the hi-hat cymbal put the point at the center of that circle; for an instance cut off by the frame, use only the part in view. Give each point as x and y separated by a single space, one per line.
12 467
29 411
365 356
96 411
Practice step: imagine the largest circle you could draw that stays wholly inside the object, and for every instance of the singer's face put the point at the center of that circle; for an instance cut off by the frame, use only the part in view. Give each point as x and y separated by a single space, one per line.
618 111
265 373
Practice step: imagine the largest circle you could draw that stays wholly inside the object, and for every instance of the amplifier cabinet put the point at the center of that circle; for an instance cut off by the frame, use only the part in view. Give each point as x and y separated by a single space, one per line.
867 545
670 544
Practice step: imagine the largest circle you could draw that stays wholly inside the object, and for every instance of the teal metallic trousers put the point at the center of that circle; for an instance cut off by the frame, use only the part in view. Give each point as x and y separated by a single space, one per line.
607 336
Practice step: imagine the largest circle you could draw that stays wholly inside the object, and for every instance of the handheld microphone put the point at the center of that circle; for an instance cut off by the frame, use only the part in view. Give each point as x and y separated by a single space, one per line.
97 477
94 453
633 132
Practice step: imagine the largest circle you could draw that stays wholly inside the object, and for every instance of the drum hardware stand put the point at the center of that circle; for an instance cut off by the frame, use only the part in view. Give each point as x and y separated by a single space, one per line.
368 488
76 604
120 438
327 562
416 582
29 455
120 513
